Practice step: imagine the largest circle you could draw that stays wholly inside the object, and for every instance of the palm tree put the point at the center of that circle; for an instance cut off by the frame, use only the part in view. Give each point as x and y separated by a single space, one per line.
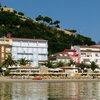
71 63
23 61
8 62
49 64
93 66
82 66
60 64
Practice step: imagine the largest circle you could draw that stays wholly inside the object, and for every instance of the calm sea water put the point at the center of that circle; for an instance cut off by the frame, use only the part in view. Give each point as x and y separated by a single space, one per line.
50 91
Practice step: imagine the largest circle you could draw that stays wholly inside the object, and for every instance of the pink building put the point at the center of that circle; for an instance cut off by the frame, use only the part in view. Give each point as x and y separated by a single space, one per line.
73 55
65 56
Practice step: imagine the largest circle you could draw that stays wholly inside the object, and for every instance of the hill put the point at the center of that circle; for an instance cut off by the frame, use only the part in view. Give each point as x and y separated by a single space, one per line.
23 27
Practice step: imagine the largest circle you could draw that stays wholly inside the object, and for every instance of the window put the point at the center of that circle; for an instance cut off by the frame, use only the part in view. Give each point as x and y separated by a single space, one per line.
30 50
65 54
19 50
24 50
39 50
14 49
83 54
19 56
60 54
42 44
35 50
30 57
8 49
89 55
96 60
96 55
16 43
86 60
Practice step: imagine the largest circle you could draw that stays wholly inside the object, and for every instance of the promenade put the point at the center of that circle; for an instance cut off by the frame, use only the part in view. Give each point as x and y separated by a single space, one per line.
8 79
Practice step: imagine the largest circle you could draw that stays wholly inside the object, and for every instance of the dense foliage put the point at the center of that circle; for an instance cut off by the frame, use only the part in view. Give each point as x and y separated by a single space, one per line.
22 27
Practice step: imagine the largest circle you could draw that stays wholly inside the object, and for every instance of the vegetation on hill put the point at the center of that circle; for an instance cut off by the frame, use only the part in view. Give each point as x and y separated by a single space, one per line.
22 27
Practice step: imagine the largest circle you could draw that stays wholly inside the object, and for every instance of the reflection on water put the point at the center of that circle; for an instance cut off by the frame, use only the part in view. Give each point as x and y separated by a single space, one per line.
50 91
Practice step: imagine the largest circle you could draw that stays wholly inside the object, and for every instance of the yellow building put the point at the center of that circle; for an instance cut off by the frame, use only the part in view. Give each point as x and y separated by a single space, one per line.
5 48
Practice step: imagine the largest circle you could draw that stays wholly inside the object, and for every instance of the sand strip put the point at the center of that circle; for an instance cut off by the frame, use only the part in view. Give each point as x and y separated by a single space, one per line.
7 79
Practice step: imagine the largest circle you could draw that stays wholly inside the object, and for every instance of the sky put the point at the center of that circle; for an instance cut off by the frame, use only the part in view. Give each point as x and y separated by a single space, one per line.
81 15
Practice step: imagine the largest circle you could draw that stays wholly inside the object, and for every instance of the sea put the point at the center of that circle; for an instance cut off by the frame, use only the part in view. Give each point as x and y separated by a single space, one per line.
50 90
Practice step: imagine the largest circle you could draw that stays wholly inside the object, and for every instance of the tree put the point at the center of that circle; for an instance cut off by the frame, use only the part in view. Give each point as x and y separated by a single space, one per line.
57 39
82 66
71 30
56 23
71 63
1 69
15 11
47 19
8 62
39 18
20 13
93 66
23 61
60 64
49 64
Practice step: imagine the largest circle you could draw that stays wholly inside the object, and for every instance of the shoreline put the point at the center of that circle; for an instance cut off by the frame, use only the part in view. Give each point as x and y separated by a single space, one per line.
7 79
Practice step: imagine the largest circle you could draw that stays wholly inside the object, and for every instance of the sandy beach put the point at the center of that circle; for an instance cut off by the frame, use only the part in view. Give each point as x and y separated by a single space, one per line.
8 79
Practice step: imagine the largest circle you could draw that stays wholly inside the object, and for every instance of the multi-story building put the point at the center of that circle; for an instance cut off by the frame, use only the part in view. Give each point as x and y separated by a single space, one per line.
65 56
33 50
88 53
5 48
73 55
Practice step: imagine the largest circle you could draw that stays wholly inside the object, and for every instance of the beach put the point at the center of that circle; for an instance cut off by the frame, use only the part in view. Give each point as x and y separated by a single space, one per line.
8 79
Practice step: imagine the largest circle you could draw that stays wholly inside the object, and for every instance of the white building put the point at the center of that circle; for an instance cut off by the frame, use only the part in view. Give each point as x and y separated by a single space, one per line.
34 50
89 53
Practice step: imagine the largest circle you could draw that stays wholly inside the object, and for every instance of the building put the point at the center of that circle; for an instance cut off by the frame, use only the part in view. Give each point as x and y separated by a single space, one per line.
60 56
65 56
6 9
33 50
89 53
73 55
5 48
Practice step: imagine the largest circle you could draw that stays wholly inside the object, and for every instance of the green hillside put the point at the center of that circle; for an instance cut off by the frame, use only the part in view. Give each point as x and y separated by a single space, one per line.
22 27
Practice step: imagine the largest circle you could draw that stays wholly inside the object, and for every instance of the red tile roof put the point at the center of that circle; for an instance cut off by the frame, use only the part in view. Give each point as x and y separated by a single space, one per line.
26 38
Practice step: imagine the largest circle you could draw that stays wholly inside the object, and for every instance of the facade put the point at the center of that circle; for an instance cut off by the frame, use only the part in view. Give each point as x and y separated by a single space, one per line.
65 56
89 53
5 48
59 57
33 50
73 55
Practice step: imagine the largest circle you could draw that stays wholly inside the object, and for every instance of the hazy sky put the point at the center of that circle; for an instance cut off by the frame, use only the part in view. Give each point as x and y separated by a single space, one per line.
81 15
